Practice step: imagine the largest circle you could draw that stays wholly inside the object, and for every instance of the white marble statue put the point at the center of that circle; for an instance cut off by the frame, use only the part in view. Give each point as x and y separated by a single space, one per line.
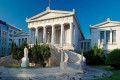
25 59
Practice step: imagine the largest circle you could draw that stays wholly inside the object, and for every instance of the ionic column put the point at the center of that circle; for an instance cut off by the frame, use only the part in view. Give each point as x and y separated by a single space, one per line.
44 34
30 35
104 37
71 34
110 36
53 34
36 34
62 35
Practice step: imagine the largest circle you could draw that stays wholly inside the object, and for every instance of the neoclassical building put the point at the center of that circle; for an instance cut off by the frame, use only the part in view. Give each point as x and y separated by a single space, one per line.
106 35
59 28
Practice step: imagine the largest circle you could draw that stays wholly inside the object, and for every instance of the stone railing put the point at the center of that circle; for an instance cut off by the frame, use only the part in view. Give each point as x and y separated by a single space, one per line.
75 60
63 64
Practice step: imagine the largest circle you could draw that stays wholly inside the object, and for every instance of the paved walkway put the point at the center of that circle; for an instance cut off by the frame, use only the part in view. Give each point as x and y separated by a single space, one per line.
51 74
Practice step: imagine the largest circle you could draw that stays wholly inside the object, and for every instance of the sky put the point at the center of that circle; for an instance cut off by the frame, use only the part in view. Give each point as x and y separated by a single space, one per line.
88 11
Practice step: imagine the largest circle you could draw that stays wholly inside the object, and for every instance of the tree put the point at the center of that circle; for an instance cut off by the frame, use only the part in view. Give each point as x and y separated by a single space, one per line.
13 50
18 52
95 56
36 53
113 59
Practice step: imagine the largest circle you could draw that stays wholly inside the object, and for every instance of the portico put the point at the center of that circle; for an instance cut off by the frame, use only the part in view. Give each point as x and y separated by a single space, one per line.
56 34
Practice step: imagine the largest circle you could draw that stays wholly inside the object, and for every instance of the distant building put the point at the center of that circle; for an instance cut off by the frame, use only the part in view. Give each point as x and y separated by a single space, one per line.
7 32
20 38
85 45
106 35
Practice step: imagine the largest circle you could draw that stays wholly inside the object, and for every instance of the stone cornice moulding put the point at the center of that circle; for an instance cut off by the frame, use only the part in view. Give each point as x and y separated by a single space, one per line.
100 24
105 27
67 13
29 21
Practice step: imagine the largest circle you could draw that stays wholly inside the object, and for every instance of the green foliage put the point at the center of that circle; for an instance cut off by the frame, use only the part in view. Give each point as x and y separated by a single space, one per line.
40 53
37 54
17 51
113 59
115 76
13 50
95 56
43 64
30 67
45 51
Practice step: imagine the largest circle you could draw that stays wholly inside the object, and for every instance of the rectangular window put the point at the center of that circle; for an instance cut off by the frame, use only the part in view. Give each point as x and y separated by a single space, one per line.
19 42
81 45
114 36
22 40
107 36
26 40
88 45
101 36
85 46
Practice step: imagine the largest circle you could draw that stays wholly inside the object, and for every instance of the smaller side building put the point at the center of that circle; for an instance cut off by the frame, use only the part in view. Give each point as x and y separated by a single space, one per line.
20 38
106 35
85 45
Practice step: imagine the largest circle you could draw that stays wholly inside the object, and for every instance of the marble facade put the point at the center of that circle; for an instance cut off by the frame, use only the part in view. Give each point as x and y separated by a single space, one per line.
59 28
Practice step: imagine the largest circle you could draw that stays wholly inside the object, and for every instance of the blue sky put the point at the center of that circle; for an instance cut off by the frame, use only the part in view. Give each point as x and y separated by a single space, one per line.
88 11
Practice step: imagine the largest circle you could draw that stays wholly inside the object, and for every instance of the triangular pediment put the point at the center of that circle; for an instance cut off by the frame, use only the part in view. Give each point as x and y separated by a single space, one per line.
50 14
21 34
106 24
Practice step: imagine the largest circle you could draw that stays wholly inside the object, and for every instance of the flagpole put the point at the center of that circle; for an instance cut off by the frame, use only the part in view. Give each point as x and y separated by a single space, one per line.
49 3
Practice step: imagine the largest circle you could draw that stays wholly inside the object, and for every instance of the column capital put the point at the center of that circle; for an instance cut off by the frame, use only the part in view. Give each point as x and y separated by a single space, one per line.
70 22
36 27
53 25
62 24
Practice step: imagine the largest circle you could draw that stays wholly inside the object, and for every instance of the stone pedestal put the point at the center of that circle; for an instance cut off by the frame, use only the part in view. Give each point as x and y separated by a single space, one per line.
25 62
82 66
63 65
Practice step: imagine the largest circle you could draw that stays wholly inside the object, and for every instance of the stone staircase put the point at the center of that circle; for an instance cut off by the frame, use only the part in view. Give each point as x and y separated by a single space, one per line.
71 59
74 60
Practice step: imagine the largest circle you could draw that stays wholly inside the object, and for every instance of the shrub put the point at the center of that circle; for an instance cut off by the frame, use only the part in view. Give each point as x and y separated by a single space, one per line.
37 54
113 59
18 51
95 56
43 64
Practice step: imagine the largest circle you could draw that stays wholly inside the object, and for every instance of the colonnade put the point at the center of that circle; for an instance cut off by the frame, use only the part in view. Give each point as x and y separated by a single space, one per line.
62 34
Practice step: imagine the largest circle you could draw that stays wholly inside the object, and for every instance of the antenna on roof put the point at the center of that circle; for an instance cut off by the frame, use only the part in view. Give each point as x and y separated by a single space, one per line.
50 1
